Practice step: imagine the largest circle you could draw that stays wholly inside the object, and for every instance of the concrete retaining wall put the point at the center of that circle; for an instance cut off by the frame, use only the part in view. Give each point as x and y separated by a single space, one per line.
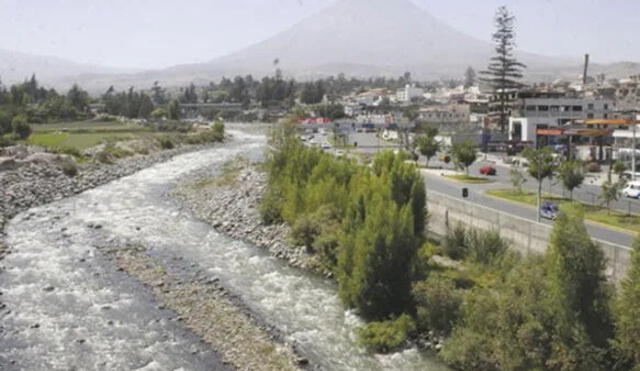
525 235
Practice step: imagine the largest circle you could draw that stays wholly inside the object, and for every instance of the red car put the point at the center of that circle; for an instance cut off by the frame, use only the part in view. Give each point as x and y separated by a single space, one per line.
488 170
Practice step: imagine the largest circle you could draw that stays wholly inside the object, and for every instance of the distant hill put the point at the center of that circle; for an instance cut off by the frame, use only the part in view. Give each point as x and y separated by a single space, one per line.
16 67
357 37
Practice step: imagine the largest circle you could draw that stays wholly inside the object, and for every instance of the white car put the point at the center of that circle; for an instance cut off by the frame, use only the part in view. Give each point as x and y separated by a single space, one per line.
632 190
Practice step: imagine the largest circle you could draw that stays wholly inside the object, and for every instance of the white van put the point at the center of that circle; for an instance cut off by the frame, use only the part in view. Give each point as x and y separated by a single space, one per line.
632 190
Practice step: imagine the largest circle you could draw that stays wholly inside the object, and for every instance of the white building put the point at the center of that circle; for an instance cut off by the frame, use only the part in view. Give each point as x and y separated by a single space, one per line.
533 114
408 93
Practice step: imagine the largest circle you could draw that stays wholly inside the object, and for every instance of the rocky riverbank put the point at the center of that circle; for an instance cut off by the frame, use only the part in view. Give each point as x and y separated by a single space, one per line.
207 309
31 177
232 208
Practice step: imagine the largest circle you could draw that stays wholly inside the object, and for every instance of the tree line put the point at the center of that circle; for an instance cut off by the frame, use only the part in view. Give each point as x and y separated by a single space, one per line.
496 309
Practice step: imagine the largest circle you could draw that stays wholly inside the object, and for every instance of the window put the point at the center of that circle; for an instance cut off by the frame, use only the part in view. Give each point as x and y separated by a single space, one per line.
606 115
577 108
590 106
590 115
555 108
543 108
606 106
566 109
531 108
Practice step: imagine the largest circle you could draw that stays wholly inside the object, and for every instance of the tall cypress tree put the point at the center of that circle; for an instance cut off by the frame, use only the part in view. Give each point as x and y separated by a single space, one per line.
579 295
628 311
504 70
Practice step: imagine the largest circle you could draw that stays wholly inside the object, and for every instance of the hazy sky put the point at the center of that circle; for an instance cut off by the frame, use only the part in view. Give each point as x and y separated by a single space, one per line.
160 33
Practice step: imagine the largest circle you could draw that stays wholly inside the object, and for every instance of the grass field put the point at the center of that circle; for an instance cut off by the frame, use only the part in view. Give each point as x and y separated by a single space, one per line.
85 134
593 213
468 179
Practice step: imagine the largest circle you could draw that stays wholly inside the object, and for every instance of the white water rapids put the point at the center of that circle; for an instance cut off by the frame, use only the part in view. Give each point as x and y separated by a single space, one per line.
68 308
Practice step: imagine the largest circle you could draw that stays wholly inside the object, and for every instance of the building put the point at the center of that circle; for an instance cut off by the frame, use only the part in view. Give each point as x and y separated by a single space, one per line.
445 114
409 93
534 117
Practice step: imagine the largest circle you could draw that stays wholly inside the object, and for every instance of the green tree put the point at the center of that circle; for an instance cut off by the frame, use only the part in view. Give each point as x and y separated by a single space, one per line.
579 295
21 130
571 176
428 146
610 192
174 110
517 178
5 123
464 155
469 77
504 70
78 98
628 311
541 166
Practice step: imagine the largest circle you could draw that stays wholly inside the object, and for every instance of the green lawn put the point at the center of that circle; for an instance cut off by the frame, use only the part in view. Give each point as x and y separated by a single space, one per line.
87 126
468 179
593 213
80 141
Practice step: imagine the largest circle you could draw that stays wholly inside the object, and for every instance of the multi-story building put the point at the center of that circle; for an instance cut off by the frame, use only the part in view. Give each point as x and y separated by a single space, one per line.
446 114
533 117
408 93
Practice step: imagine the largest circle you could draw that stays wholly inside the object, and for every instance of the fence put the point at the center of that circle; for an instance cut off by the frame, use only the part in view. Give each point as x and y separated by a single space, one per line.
525 235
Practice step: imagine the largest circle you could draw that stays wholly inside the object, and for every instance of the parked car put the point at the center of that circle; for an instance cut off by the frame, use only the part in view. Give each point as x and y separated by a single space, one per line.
632 190
549 210
488 170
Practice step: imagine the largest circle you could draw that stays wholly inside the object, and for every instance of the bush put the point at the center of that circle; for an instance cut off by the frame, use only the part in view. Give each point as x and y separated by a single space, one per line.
166 143
69 168
386 336
455 243
305 230
5 142
485 247
21 129
271 207
438 303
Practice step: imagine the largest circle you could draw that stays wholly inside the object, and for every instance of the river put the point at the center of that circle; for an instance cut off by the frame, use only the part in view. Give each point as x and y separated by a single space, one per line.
68 307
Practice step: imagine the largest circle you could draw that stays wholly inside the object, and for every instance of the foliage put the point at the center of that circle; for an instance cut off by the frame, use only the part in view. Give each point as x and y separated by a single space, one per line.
464 155
505 327
333 111
469 77
366 223
455 243
610 192
619 167
517 178
5 123
504 70
312 92
173 110
579 295
541 166
438 304
428 146
21 130
166 143
386 336
69 168
571 175
628 312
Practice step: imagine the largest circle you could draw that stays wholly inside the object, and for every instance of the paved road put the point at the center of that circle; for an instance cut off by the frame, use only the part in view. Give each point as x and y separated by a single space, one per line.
476 194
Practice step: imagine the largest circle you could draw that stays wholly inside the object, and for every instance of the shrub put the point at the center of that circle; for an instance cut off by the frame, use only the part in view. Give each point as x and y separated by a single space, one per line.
438 303
166 143
455 243
271 207
5 142
69 168
485 247
386 336
305 230
21 129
